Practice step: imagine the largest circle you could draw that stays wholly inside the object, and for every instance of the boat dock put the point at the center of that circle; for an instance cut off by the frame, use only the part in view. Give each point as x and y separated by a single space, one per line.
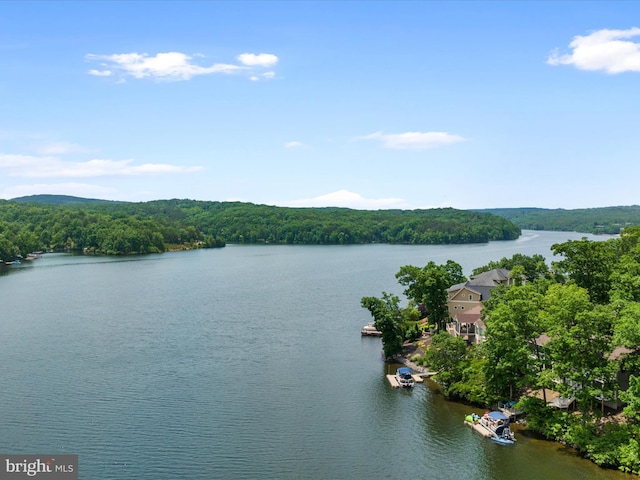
393 380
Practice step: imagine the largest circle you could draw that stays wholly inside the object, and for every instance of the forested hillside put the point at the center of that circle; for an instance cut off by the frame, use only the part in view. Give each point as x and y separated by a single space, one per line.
69 223
588 220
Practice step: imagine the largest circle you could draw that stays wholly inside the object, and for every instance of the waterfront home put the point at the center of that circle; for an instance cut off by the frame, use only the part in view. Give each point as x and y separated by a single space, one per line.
465 296
620 380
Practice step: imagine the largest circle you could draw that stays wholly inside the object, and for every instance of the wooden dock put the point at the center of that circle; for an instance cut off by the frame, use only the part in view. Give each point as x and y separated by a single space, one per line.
393 381
512 413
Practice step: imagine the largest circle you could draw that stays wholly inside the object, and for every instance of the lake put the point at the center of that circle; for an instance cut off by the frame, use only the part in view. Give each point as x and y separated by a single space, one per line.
244 363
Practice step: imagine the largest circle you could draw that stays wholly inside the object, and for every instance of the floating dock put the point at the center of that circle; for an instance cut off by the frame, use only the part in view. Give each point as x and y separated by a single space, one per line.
393 380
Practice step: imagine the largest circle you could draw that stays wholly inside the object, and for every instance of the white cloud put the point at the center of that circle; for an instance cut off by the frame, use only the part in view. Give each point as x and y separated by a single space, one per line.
607 50
261 60
51 167
176 66
347 199
167 66
294 144
414 140
100 73
263 76
60 148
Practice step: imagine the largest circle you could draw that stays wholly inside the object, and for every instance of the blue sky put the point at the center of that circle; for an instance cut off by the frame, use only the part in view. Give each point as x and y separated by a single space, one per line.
368 104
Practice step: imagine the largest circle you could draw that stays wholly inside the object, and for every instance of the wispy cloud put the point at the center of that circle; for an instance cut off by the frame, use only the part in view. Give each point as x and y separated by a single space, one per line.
261 60
175 66
414 140
100 73
263 76
60 148
294 144
29 166
347 199
607 50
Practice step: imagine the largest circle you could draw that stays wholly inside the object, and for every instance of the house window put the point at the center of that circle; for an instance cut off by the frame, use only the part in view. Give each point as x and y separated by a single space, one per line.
470 297
455 307
462 307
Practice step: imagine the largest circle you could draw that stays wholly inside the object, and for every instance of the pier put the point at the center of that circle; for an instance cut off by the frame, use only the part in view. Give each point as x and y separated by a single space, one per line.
393 380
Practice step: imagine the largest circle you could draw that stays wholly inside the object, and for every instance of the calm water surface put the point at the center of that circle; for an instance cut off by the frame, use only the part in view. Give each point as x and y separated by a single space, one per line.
243 363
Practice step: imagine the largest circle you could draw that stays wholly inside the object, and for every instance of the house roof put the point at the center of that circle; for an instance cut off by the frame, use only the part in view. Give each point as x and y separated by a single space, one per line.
542 340
491 278
620 352
472 316
482 283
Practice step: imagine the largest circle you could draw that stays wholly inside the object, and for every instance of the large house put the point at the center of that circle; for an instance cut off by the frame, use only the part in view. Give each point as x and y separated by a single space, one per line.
464 302
468 325
465 296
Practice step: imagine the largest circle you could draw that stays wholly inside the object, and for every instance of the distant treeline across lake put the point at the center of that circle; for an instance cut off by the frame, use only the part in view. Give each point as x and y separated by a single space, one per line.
73 224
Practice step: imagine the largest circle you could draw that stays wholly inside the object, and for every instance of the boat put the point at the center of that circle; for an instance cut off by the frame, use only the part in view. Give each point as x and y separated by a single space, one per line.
494 425
369 330
405 377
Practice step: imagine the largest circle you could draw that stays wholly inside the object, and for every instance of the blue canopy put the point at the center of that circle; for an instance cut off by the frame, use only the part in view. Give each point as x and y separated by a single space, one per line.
497 416
404 371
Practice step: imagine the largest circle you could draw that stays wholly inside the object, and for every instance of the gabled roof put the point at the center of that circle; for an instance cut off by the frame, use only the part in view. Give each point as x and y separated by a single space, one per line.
456 289
492 278
484 292
482 283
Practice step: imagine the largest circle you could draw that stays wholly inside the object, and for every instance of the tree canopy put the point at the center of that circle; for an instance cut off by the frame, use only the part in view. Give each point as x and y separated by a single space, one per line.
607 220
54 222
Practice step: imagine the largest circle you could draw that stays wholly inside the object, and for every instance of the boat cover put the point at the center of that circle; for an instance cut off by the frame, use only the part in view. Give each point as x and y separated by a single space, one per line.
497 416
404 371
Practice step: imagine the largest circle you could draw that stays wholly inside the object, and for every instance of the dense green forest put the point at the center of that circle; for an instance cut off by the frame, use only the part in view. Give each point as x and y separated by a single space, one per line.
570 328
610 220
52 222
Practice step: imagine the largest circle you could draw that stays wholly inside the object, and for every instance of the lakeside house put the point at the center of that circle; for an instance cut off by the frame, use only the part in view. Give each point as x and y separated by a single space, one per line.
554 398
464 302
468 295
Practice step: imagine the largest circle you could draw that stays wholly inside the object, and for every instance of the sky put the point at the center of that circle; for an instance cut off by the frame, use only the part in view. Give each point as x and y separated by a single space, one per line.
360 104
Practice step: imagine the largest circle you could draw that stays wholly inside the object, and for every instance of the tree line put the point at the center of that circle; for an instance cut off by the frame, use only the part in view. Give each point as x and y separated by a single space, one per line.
70 223
573 328
93 228
604 220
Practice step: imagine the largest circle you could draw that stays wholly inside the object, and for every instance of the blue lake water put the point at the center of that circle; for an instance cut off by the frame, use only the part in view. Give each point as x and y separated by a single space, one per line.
243 363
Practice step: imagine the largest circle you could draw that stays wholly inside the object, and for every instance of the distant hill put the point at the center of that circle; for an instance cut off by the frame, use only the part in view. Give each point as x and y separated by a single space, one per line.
56 199
60 222
605 220
609 220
